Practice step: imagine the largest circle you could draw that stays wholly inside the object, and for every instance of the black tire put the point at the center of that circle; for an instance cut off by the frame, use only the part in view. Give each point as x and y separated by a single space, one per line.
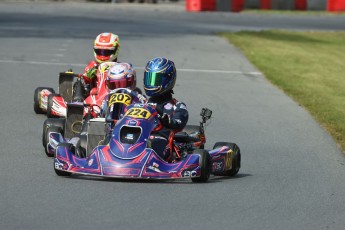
59 172
78 91
57 122
50 105
38 91
236 162
49 130
205 166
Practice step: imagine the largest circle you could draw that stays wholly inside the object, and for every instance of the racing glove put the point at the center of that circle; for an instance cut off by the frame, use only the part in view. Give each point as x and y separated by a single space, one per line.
165 120
90 71
142 98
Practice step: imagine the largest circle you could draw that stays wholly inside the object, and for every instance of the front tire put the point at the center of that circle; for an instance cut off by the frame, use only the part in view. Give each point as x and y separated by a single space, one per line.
236 162
204 165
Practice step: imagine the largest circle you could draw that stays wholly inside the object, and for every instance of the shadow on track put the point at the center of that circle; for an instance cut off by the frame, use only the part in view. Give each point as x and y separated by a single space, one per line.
213 179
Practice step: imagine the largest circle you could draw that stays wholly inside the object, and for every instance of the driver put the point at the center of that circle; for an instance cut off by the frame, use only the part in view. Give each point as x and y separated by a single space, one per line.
159 81
121 78
106 49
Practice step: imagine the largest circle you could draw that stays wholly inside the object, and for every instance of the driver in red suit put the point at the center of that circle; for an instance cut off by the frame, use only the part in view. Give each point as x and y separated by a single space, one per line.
106 49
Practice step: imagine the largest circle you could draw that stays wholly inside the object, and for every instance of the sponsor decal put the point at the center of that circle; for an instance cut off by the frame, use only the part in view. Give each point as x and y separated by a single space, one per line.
138 105
189 173
129 136
217 166
58 165
154 167
228 162
133 122
90 162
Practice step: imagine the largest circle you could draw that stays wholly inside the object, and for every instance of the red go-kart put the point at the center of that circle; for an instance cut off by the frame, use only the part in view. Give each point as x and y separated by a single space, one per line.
71 89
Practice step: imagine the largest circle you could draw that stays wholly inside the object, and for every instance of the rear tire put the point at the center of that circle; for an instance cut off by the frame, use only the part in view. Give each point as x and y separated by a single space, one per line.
78 91
37 99
50 105
204 165
236 162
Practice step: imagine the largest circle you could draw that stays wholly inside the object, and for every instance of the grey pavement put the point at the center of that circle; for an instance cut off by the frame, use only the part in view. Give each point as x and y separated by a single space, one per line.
292 176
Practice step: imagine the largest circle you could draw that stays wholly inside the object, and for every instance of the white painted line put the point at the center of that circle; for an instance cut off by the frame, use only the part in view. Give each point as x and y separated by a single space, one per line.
136 67
40 63
219 71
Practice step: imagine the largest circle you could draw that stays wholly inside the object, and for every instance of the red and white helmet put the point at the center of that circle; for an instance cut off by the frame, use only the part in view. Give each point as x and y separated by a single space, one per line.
106 47
122 75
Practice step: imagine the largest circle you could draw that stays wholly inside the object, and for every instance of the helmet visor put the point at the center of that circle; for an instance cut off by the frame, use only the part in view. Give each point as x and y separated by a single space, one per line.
104 52
115 84
153 79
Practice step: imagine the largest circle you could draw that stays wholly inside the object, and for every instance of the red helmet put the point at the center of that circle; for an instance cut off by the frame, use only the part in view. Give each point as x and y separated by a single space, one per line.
106 47
122 75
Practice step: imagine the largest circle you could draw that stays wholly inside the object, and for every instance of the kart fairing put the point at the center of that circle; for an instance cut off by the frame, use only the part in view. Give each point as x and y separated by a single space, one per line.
127 155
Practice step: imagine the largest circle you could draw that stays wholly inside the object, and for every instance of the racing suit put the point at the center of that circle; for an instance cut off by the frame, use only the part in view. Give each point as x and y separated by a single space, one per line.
88 79
173 116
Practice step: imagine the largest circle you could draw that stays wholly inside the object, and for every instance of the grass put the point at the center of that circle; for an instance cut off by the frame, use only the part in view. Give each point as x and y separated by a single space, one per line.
308 66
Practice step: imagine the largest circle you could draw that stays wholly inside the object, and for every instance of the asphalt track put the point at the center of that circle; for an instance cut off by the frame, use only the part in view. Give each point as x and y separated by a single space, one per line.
292 175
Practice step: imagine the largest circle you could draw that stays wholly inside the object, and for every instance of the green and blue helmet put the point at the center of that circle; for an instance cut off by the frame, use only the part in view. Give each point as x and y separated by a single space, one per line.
159 76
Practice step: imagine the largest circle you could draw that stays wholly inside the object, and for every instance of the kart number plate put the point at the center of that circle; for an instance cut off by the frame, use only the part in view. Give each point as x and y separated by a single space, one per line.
138 113
120 98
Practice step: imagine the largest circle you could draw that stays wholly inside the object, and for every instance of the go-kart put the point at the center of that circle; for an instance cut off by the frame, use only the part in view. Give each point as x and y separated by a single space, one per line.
73 125
46 101
128 153
71 89
79 115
